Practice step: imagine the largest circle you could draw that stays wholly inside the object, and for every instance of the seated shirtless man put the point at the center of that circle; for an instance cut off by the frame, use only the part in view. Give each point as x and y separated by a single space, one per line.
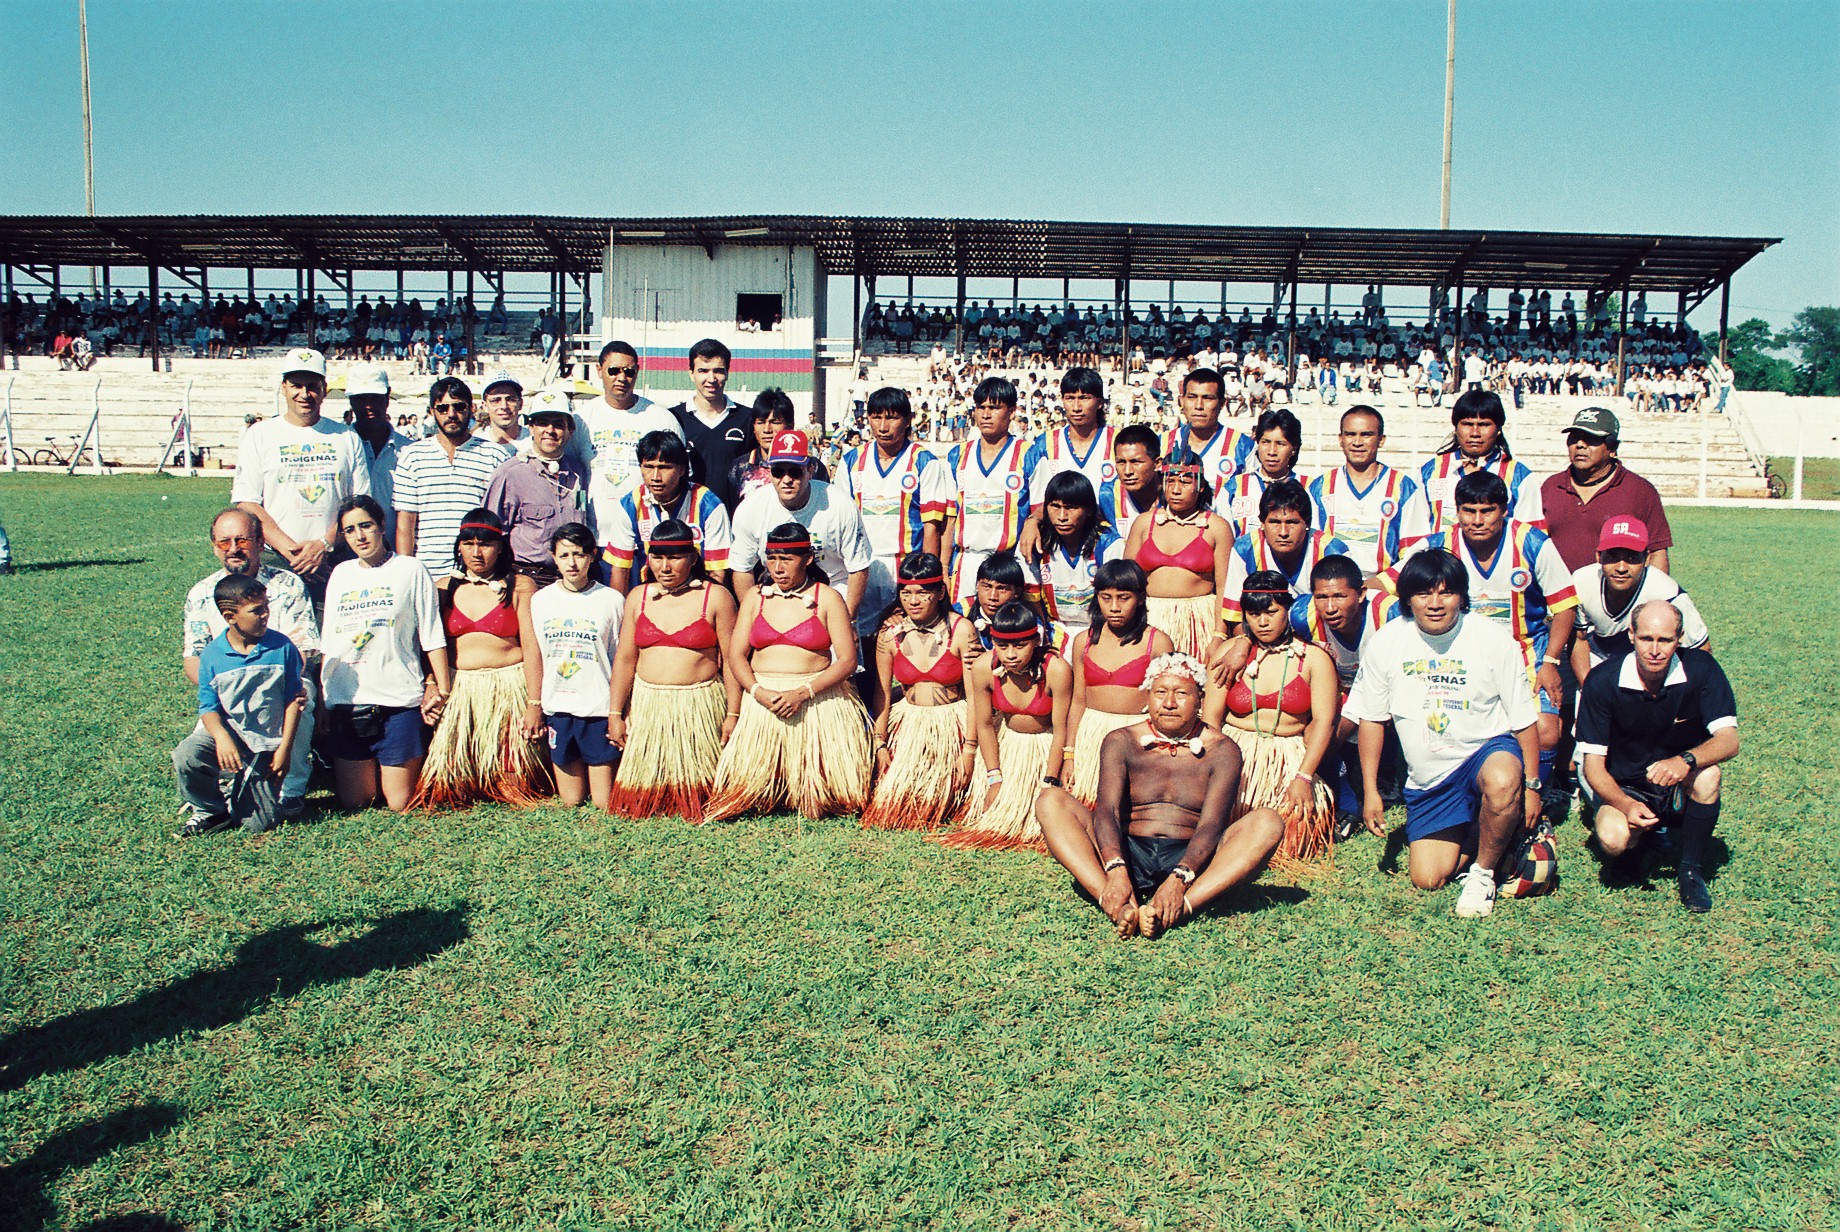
1159 834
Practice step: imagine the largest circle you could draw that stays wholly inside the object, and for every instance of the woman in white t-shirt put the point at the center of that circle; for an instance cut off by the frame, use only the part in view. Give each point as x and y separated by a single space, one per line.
382 624
576 621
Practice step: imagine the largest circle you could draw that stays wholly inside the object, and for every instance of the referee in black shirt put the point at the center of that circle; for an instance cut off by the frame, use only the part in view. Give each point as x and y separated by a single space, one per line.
1653 727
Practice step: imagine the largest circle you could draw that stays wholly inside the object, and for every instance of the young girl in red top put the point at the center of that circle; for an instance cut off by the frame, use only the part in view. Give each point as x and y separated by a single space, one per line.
803 735
924 748
1184 549
1020 695
1276 697
673 704
1109 658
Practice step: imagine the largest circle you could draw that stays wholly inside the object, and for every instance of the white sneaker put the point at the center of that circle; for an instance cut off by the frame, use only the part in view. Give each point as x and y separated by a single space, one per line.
1478 897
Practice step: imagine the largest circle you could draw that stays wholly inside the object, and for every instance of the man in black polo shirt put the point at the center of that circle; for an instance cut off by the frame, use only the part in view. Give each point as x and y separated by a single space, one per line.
717 429
1653 727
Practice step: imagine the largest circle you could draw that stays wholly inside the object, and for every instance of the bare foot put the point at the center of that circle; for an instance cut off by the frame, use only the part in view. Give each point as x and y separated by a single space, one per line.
1148 923
1127 920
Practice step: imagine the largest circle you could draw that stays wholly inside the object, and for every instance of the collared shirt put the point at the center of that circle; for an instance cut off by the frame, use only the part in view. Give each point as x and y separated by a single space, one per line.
623 539
714 447
1575 524
535 496
290 611
250 690
1631 728
383 476
441 491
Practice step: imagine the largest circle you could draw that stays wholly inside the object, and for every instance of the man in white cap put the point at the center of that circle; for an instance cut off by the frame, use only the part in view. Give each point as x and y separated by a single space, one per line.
368 392
542 488
503 399
292 472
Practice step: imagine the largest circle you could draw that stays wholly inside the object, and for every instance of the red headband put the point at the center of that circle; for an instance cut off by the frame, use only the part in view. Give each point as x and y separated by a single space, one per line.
671 543
1265 592
796 545
497 530
1182 468
931 579
1015 637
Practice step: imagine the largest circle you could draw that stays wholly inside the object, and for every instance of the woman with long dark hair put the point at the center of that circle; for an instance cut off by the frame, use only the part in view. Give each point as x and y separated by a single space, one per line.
1110 657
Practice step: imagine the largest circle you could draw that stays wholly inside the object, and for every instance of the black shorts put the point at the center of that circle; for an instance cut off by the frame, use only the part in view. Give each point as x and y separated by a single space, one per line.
1668 802
1149 861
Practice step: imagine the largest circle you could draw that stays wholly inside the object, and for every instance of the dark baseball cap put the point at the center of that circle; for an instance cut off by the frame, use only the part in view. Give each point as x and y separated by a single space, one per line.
1597 421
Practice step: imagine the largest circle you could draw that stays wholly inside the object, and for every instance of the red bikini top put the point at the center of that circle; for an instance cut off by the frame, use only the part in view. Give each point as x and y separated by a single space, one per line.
1293 699
500 622
699 634
1127 676
1039 706
1197 556
809 634
946 669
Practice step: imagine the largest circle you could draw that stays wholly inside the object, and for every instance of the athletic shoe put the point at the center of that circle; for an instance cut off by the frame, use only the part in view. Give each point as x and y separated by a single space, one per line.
1347 825
198 826
1694 895
290 808
1478 897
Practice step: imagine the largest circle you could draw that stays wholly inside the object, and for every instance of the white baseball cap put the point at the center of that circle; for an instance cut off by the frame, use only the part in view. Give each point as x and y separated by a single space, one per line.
367 381
304 359
547 402
501 377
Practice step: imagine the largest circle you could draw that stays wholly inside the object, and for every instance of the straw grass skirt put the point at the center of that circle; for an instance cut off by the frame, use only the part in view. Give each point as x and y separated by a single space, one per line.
1267 765
1095 726
1009 824
817 762
673 738
476 753
915 793
1190 623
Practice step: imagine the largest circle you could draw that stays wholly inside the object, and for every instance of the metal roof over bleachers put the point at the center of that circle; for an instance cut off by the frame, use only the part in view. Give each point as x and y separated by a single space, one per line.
919 247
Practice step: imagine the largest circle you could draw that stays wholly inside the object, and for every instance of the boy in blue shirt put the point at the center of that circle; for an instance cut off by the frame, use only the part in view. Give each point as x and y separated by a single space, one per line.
249 701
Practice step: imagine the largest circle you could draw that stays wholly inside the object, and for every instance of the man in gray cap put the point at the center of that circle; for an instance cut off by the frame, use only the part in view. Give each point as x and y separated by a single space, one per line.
1595 488
503 400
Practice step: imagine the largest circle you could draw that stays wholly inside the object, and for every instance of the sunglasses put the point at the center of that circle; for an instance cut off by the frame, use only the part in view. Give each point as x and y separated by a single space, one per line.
236 541
788 470
616 373
453 406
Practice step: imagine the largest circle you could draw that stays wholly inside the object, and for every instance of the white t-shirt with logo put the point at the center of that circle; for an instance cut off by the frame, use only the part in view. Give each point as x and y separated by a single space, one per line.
608 441
300 475
577 632
378 622
838 540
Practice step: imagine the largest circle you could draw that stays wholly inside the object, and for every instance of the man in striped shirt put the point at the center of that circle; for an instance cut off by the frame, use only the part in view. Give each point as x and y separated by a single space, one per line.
442 478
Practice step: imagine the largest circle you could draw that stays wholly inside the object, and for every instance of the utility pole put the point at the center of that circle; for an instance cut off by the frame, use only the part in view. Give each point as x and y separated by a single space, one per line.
89 159
1450 98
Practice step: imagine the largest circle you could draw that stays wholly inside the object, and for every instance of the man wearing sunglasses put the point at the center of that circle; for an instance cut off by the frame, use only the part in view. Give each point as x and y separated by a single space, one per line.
442 478
236 537
608 430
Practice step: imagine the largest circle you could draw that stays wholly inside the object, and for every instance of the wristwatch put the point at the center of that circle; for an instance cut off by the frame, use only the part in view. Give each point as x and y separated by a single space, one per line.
1691 760
1531 784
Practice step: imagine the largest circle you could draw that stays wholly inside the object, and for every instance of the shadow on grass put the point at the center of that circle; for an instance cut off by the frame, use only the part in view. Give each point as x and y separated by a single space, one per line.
25 1186
52 565
267 968
1653 862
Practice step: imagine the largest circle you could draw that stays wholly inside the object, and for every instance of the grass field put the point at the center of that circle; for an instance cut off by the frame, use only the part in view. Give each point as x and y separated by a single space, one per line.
544 1019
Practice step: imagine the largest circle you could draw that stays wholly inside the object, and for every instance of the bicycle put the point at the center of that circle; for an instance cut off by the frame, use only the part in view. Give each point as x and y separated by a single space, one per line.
1778 486
51 455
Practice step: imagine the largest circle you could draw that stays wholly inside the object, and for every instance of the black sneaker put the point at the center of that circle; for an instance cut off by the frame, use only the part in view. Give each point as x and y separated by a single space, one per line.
291 808
1694 895
198 826
1347 825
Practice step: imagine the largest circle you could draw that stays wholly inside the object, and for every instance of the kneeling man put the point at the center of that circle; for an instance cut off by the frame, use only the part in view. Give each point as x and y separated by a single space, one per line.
1455 688
1653 727
1160 833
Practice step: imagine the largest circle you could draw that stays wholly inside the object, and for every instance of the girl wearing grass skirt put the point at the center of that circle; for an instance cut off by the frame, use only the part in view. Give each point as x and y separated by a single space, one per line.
485 741
803 736
1020 695
1276 697
673 702
1110 657
1184 549
923 745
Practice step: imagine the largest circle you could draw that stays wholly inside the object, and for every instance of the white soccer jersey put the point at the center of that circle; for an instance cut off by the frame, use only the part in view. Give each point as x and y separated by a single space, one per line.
1056 452
1609 633
1368 520
990 503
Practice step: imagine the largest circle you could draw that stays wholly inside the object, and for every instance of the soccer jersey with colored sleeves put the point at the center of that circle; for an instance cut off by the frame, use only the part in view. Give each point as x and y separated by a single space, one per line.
896 499
1251 554
989 502
1065 583
1609 633
250 690
1436 507
1055 452
1238 499
577 631
1117 506
1222 456
290 611
1521 590
1368 520
637 515
379 621
1307 623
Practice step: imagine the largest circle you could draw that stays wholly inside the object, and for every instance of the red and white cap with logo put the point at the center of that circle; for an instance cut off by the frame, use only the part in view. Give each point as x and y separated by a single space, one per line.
1631 533
790 446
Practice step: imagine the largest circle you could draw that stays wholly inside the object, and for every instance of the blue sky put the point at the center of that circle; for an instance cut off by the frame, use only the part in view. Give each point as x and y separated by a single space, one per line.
1719 118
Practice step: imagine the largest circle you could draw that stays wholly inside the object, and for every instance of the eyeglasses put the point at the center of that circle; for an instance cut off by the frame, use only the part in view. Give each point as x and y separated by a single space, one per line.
613 374
236 541
453 406
788 470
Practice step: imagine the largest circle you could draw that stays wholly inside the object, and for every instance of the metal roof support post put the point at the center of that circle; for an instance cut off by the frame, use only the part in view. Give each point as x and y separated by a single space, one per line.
855 314
1456 353
1680 310
1290 340
958 315
204 286
1015 292
562 322
1121 295
152 324
1724 316
399 282
1622 337
310 302
252 282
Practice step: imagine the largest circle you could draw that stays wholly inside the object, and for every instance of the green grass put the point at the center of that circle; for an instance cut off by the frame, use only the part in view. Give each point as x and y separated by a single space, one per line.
545 1019
1820 477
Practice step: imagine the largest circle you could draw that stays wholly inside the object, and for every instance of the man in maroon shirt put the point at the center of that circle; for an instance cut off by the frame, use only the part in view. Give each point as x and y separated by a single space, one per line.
1595 488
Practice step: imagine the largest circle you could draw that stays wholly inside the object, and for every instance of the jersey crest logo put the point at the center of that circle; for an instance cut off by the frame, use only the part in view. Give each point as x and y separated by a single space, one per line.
1520 579
1013 483
909 482
1108 472
1388 508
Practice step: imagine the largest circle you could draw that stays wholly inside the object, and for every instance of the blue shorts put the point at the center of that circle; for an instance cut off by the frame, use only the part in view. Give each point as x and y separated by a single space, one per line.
573 739
387 735
1455 800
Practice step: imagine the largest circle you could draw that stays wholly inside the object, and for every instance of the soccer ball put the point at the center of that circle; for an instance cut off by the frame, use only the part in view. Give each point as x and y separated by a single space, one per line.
1535 866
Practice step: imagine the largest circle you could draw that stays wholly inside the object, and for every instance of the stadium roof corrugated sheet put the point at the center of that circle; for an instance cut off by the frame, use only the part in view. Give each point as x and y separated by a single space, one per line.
922 247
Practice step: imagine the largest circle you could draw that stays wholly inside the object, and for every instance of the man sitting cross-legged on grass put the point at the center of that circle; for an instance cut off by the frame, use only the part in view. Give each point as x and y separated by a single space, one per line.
1159 834
1455 688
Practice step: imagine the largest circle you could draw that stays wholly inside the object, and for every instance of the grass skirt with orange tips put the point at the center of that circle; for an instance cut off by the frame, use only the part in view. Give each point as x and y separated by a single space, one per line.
915 793
1267 766
673 738
1009 823
1190 623
817 762
476 753
1095 726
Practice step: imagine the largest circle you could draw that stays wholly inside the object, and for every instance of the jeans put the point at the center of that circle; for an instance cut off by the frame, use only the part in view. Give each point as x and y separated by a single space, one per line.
300 763
251 800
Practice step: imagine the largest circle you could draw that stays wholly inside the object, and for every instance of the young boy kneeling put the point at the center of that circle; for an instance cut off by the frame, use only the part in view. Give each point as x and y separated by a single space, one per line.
249 700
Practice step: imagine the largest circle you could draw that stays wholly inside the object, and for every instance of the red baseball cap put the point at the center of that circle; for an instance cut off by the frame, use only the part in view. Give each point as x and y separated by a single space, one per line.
1631 533
790 446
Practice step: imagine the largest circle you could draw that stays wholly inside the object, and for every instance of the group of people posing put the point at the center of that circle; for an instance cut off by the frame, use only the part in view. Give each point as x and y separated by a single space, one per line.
1166 659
